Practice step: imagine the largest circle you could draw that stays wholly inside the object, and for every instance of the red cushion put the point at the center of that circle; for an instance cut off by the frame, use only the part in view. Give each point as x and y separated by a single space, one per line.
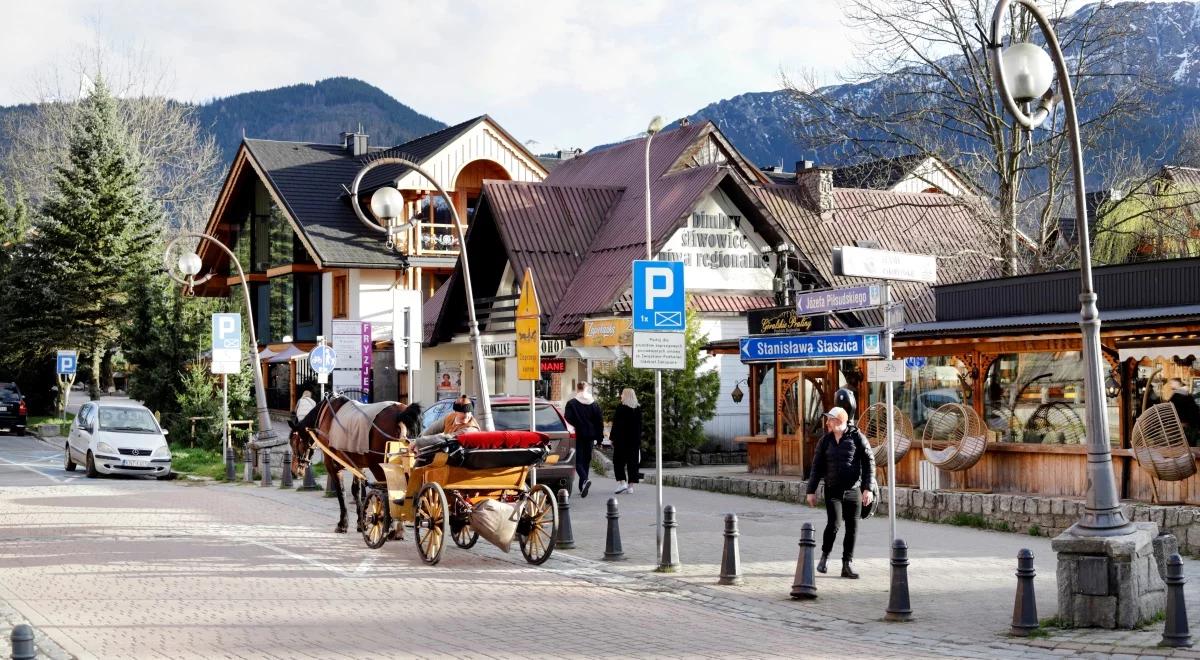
501 439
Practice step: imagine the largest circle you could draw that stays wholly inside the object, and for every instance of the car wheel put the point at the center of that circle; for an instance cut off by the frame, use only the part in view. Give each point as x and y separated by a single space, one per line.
91 471
68 463
166 477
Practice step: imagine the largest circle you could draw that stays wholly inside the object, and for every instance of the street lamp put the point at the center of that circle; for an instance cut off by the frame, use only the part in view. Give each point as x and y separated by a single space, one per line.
387 203
655 126
1024 73
189 264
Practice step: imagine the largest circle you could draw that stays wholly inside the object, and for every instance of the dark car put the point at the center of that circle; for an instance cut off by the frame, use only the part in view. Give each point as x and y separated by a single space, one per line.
511 413
12 409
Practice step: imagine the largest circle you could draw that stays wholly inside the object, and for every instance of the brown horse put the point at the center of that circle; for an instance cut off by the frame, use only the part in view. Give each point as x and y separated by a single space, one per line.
392 423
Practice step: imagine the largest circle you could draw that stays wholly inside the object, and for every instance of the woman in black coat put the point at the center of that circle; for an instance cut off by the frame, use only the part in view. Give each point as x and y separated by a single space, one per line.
626 437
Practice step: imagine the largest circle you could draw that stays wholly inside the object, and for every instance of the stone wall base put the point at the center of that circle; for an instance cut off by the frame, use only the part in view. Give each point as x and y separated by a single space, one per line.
1023 514
1109 581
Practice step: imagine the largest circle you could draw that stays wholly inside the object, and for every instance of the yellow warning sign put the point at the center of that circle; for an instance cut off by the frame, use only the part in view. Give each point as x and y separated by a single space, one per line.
529 331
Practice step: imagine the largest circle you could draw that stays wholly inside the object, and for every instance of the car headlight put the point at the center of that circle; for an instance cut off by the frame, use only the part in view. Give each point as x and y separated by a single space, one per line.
105 448
162 452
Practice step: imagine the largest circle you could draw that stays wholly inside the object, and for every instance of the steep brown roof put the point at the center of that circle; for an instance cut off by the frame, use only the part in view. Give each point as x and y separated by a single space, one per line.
922 223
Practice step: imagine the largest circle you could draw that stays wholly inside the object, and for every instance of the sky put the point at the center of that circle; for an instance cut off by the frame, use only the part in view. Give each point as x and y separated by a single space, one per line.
561 73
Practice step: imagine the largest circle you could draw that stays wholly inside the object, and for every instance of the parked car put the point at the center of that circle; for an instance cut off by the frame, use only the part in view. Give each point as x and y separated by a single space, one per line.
12 409
117 438
511 413
927 402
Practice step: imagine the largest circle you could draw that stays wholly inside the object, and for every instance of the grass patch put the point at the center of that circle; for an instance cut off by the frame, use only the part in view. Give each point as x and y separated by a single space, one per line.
1035 530
197 461
1051 622
969 520
64 427
1158 617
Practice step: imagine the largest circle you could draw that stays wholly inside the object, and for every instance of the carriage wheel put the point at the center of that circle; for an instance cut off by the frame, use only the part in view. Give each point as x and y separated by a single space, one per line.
464 536
377 519
540 518
431 524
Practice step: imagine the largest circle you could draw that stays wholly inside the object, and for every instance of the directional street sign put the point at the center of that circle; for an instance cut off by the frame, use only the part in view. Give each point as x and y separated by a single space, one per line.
837 300
893 316
658 296
529 331
884 265
322 359
915 362
67 362
407 329
810 347
226 343
885 371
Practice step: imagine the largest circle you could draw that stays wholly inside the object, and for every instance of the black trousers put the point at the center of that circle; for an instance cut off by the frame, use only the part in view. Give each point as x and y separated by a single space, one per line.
838 510
626 461
583 458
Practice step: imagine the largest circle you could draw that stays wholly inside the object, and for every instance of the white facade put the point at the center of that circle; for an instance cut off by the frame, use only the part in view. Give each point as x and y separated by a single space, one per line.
731 419
931 173
485 141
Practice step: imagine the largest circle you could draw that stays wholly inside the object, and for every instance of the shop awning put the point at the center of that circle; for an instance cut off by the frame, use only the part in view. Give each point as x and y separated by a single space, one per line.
595 353
1159 352
286 354
265 354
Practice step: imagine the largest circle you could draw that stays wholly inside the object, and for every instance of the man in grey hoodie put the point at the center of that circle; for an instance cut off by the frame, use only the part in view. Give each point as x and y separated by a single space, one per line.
584 414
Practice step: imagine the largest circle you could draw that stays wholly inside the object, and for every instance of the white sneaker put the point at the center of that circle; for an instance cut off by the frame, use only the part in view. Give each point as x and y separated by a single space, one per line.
620 488
629 489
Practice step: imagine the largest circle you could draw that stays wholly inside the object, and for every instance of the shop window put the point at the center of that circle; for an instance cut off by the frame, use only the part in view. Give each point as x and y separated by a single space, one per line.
1157 381
1038 398
341 296
764 375
282 308
924 390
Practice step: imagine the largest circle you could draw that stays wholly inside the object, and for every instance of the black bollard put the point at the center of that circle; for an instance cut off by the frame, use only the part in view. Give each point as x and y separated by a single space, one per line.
731 558
899 608
285 469
669 562
22 642
310 479
230 467
1025 618
805 584
264 464
612 541
248 453
1175 631
566 535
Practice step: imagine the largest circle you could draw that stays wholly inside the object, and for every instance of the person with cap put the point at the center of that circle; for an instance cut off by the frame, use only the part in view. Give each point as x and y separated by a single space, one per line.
844 461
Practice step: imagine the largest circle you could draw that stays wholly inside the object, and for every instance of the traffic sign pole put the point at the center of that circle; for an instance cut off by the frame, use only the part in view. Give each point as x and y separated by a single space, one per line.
891 427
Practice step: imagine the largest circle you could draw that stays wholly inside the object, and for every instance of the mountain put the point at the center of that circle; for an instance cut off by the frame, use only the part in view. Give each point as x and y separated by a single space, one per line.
313 113
1163 42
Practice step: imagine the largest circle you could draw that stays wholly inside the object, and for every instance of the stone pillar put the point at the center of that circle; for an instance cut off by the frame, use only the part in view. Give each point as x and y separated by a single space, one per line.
1109 581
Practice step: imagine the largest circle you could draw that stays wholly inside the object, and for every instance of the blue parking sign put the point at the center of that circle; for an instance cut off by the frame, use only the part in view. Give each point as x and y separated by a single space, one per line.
227 331
67 362
658 296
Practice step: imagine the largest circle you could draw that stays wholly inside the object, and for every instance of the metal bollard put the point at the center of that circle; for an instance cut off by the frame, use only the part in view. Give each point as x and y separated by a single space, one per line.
285 469
805 584
230 468
669 562
566 535
1175 631
731 558
310 479
248 453
899 608
1025 618
264 460
612 541
22 642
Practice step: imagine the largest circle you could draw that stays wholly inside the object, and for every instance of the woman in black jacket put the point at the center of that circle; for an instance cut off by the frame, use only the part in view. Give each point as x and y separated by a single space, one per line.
626 436
843 459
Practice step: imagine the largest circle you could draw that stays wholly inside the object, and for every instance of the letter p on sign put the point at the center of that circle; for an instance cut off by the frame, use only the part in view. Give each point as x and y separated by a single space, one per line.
660 283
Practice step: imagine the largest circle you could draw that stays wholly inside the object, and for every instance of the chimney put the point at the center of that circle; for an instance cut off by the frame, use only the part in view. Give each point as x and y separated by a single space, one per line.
355 143
818 183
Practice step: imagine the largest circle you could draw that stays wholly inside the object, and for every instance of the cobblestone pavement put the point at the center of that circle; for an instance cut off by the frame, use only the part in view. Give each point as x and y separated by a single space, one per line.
134 568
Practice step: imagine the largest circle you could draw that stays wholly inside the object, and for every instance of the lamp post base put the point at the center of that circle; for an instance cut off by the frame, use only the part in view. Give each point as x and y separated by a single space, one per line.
1108 581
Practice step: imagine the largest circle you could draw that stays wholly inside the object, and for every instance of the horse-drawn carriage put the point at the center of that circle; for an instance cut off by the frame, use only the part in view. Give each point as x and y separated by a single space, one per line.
459 487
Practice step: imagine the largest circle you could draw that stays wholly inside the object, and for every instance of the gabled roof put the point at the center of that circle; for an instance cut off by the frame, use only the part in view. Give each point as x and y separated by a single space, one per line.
309 182
905 222
877 174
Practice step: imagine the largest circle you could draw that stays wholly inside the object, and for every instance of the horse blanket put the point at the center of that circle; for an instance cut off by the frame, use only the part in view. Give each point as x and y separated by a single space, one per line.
351 428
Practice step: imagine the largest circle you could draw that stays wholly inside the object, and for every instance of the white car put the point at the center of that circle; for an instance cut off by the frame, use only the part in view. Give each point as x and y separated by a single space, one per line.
117 438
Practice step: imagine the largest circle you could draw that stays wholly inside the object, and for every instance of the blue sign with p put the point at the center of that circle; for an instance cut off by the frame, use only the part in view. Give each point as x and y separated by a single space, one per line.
226 331
67 362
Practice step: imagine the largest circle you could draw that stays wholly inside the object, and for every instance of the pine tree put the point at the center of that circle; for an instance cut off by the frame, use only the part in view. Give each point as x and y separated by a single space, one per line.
89 246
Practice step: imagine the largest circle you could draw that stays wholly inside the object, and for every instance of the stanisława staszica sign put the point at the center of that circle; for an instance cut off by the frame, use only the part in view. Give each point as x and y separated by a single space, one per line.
810 347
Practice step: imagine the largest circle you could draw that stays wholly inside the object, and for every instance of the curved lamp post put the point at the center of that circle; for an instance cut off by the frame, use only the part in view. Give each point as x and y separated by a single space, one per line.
1024 74
189 264
387 203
